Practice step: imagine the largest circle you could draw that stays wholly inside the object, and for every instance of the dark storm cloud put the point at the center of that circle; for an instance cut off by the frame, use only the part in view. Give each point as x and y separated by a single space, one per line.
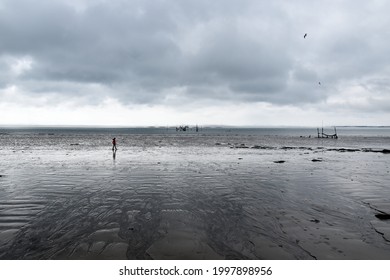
140 51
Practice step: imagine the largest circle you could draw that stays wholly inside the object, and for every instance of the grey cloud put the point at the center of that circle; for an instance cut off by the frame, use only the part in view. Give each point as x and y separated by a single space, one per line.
251 51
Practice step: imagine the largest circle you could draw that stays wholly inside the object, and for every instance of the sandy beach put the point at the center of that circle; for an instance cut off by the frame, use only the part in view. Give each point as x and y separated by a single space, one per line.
193 197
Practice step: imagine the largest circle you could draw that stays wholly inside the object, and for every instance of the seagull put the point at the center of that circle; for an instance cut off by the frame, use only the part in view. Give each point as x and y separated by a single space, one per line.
304 36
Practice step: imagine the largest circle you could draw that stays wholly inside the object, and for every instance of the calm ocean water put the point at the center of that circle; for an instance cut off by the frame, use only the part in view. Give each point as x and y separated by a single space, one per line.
85 138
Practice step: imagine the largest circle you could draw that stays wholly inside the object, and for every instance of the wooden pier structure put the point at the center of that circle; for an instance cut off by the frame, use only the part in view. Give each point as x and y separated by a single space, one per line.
187 128
325 135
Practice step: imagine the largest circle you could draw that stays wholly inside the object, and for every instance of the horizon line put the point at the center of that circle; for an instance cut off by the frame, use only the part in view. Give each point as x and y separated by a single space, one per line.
173 126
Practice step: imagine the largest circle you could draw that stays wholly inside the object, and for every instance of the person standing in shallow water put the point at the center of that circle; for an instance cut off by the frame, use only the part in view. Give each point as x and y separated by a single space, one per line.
114 144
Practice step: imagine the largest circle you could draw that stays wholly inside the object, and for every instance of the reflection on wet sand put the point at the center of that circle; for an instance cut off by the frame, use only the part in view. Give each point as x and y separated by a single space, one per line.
195 203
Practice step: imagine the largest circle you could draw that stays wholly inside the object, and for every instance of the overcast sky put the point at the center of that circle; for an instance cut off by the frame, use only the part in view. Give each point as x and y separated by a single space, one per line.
231 62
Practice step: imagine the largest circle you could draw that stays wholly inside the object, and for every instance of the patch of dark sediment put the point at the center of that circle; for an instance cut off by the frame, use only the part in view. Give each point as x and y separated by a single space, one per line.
371 150
239 146
383 151
263 147
287 148
343 150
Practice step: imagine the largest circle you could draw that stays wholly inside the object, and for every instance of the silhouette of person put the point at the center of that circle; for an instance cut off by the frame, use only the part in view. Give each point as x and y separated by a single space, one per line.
114 144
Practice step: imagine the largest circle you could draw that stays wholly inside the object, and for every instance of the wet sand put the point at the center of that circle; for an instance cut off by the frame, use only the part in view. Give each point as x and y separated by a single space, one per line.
217 201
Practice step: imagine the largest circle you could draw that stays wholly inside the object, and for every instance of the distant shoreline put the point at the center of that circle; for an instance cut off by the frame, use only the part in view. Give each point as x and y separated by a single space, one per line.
6 126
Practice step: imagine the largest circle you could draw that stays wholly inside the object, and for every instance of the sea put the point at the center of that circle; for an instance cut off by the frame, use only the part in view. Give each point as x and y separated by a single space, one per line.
93 137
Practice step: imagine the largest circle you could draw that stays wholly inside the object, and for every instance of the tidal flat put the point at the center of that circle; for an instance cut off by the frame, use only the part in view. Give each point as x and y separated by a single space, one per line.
192 196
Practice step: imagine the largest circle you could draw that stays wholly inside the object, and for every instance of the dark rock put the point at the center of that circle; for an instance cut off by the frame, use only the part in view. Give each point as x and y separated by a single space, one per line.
383 216
315 221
